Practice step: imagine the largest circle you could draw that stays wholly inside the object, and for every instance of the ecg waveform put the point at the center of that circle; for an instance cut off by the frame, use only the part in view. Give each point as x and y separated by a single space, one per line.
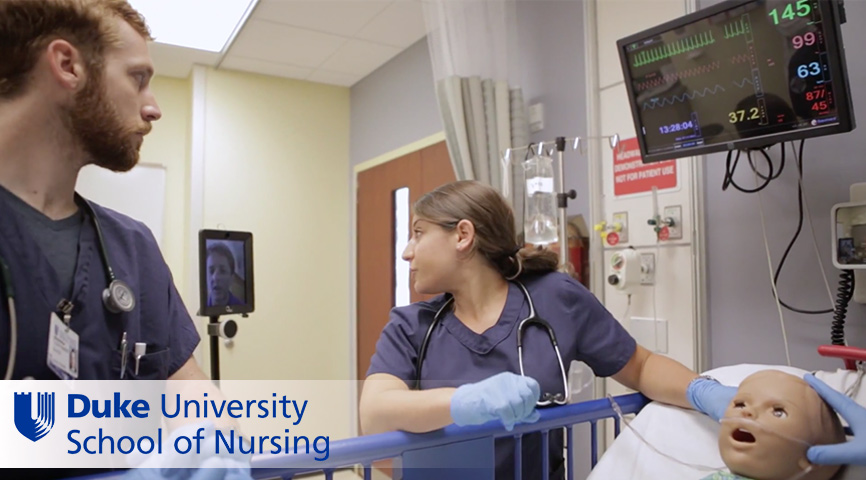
743 83
674 99
738 27
741 58
665 51
673 77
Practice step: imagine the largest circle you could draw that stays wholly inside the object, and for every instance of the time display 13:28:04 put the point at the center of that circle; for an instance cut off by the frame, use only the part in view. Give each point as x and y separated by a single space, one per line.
677 127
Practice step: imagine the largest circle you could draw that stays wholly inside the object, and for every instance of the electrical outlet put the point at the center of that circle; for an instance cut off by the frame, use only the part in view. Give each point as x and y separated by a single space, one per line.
622 219
674 212
647 268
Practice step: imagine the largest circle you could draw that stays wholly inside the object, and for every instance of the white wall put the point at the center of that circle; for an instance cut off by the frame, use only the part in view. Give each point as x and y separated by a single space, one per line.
271 156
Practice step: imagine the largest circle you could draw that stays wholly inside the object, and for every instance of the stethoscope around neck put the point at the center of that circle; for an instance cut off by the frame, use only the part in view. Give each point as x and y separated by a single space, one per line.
533 319
117 297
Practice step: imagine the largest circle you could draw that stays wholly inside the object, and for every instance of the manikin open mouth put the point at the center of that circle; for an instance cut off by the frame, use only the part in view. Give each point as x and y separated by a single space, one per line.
744 436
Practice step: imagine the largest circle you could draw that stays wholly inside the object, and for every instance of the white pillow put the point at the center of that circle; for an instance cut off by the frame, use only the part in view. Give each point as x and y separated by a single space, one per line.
689 436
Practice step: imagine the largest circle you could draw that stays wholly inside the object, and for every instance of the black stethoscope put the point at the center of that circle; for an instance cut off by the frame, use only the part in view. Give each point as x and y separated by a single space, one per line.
118 297
533 318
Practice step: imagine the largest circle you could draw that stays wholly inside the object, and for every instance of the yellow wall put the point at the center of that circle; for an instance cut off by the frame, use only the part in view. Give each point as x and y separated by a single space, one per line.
169 145
276 156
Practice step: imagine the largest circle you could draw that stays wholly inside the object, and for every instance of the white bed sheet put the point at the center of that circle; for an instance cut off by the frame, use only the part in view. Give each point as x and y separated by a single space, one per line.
690 436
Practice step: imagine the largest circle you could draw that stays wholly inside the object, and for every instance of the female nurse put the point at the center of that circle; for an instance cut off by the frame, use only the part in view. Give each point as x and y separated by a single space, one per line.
464 244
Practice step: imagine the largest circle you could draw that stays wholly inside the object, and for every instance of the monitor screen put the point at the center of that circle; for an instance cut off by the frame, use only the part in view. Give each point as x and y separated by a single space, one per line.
225 272
738 75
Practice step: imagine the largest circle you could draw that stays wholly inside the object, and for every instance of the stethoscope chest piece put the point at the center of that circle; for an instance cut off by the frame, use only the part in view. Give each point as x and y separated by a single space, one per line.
118 297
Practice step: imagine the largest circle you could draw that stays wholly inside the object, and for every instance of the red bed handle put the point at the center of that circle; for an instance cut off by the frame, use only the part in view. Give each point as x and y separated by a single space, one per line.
849 354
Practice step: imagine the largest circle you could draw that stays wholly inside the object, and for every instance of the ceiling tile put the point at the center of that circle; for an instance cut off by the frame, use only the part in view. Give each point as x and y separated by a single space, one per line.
399 25
360 57
235 62
338 17
334 78
283 44
174 61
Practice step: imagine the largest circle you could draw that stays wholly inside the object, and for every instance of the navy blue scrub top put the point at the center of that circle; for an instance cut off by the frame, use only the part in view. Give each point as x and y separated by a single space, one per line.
456 355
159 318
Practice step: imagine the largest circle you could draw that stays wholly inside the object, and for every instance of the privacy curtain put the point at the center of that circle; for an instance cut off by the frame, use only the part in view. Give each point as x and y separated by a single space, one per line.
474 56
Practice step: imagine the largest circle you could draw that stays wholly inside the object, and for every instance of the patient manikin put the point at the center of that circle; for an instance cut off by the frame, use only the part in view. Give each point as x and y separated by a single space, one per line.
771 422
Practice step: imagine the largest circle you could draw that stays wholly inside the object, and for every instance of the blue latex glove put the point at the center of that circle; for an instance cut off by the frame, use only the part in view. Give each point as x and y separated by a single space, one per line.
710 397
849 453
204 466
506 396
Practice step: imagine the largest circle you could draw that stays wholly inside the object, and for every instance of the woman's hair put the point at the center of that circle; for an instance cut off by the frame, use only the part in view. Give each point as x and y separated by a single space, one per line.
493 219
28 26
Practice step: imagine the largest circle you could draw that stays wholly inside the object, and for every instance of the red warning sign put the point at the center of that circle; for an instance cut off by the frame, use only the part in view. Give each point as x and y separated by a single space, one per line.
631 175
612 239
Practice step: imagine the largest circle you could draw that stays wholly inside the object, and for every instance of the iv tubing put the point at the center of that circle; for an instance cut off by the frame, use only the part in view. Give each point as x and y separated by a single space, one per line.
640 437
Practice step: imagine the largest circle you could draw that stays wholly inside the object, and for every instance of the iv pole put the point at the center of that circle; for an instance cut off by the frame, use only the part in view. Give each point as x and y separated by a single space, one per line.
562 202
562 196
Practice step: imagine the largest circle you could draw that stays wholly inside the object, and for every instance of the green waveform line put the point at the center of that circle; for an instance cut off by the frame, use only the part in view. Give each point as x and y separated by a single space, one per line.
679 47
738 28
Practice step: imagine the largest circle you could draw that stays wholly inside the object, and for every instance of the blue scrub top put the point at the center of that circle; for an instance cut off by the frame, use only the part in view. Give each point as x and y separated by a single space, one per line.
159 318
584 329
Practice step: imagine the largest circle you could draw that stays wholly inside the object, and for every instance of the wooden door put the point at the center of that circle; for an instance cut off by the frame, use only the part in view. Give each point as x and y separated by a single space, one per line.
420 171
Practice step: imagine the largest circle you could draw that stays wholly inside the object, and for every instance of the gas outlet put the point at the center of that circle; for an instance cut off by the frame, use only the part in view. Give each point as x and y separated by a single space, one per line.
673 218
621 218
647 268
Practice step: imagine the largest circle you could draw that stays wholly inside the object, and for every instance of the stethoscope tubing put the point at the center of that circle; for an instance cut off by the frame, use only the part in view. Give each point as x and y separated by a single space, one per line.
547 399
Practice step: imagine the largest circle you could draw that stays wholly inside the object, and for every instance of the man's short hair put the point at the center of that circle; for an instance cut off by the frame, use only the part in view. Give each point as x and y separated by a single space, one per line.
221 249
28 26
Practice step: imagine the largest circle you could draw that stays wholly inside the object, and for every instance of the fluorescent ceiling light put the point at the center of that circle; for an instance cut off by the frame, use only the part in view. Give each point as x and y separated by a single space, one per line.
200 24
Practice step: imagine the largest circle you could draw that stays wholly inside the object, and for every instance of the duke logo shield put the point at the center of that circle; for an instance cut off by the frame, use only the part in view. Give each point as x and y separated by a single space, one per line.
32 427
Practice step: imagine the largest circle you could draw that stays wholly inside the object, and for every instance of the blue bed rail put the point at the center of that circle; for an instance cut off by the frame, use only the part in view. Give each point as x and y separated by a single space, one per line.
467 444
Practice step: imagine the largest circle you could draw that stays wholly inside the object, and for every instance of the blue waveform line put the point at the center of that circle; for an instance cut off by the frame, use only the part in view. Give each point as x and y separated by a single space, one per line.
682 98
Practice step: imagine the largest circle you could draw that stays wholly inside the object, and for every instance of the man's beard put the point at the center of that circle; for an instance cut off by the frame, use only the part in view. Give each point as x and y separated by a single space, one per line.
97 128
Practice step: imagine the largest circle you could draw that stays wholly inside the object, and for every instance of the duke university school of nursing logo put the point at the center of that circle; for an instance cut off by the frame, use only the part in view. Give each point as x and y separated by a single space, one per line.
34 427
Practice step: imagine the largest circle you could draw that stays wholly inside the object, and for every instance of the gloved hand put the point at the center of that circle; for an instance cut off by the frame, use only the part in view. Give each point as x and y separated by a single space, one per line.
849 453
207 465
710 397
506 396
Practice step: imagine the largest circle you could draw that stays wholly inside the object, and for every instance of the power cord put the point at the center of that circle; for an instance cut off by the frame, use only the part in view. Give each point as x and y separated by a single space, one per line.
731 168
772 280
800 218
839 305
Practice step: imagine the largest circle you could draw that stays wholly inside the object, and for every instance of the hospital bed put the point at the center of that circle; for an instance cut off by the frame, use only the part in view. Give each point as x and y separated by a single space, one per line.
460 453
466 452
454 452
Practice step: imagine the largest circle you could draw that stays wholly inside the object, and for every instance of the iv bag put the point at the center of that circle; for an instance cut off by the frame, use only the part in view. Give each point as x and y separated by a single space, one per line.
580 378
539 223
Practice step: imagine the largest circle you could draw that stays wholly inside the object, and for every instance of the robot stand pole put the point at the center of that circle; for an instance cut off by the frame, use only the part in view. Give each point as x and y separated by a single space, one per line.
214 350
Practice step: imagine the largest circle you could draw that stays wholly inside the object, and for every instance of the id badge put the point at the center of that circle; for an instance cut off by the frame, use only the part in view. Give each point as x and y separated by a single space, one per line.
62 349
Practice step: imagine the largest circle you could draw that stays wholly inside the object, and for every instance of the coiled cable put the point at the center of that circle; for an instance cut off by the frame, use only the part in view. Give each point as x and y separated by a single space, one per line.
843 297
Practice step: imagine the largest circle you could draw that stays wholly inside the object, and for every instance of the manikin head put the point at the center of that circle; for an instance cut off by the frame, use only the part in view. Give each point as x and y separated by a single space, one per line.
769 425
